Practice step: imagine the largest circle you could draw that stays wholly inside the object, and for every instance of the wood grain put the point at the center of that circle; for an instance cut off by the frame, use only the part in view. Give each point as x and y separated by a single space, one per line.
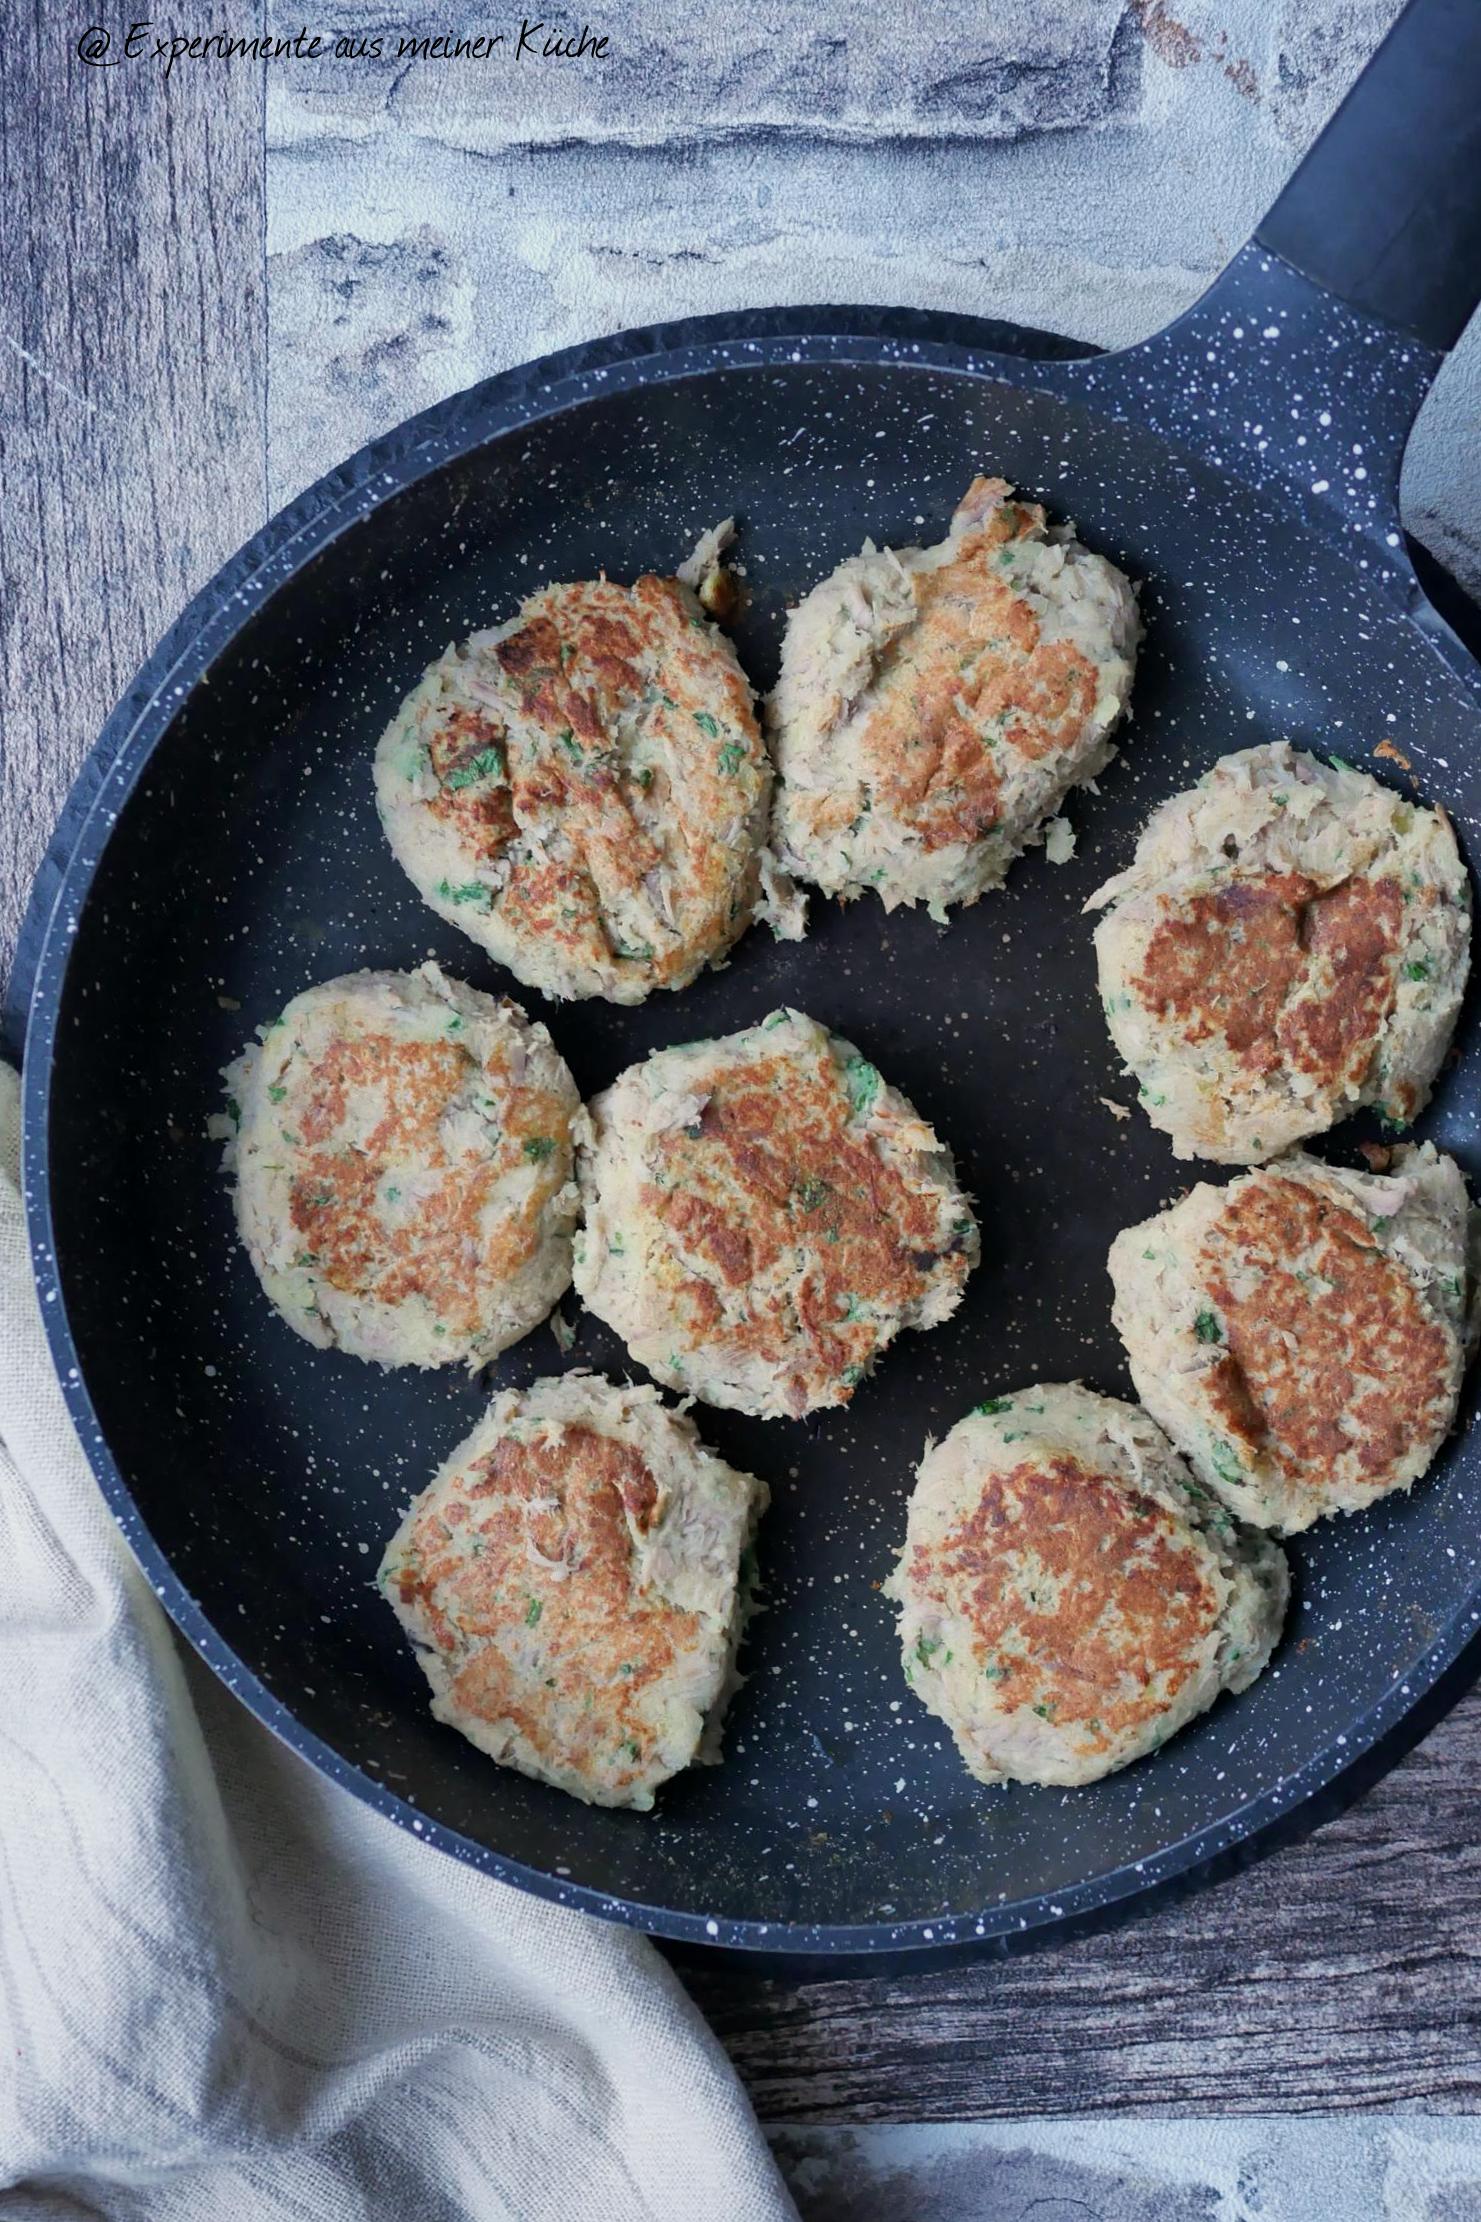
133 383
1338 1975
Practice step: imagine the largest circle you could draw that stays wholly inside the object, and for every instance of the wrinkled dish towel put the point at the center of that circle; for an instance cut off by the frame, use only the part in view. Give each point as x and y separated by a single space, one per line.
231 1993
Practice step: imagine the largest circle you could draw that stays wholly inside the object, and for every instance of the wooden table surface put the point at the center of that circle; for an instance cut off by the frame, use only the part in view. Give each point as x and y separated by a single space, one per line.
1340 1974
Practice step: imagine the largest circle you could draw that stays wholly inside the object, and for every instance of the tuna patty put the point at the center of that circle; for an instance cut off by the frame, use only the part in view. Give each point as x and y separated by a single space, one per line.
403 1157
935 705
585 791
1301 1333
1069 1597
1290 943
764 1214
573 1582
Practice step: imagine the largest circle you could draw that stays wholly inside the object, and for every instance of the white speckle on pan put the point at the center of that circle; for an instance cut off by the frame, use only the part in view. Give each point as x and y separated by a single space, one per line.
327 1454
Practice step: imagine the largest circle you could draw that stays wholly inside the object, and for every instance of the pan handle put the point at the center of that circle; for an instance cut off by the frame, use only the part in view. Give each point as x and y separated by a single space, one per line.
1385 212
1303 367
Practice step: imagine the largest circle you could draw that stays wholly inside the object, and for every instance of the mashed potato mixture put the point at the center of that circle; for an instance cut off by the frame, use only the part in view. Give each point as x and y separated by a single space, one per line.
1069 1596
403 1158
575 1580
764 1213
936 705
585 791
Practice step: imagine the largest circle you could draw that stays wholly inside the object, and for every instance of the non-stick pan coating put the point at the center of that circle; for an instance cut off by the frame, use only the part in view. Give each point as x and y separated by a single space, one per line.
248 863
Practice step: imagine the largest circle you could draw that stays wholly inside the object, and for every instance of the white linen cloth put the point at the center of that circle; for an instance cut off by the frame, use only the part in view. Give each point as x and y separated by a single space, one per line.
231 1993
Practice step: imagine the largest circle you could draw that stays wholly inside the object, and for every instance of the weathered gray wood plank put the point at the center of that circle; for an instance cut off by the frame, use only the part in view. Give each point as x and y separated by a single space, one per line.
132 389
1340 1975
1336 1976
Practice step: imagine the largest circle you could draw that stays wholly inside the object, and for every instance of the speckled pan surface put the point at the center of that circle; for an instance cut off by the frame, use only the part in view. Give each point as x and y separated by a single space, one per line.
233 857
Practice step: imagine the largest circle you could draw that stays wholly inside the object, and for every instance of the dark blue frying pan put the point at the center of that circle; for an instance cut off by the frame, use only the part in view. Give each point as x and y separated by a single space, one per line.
222 851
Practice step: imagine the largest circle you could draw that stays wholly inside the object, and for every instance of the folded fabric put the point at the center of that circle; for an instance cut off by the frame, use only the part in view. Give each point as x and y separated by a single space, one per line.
228 1991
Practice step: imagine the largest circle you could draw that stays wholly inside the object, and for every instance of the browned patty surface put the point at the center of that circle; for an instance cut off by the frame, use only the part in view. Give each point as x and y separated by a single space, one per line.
773 1163
974 653
1111 1616
594 652
1330 1351
1290 977
571 1503
446 1254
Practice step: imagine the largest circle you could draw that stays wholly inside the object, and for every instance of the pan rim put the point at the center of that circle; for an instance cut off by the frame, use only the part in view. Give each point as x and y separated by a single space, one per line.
437 436
1288 1811
116 764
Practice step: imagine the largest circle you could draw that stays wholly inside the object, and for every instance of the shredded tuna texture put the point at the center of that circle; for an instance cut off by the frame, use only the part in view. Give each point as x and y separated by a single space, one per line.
935 705
574 1580
1069 1595
1301 1334
585 792
1290 944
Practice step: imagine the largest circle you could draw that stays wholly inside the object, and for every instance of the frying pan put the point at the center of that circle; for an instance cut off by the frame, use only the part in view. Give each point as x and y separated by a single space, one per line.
222 852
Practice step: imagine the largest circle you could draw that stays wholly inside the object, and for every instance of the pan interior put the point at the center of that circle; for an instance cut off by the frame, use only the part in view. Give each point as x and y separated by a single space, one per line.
249 863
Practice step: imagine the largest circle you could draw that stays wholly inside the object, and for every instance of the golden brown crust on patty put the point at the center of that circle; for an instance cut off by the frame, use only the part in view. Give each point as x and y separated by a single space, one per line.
1301 1333
1286 975
1069 1596
1108 1627
448 1249
573 673
1289 943
540 1536
778 1163
1330 1353
764 1214
404 1168
936 704
573 1579
973 662
585 790
471 770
